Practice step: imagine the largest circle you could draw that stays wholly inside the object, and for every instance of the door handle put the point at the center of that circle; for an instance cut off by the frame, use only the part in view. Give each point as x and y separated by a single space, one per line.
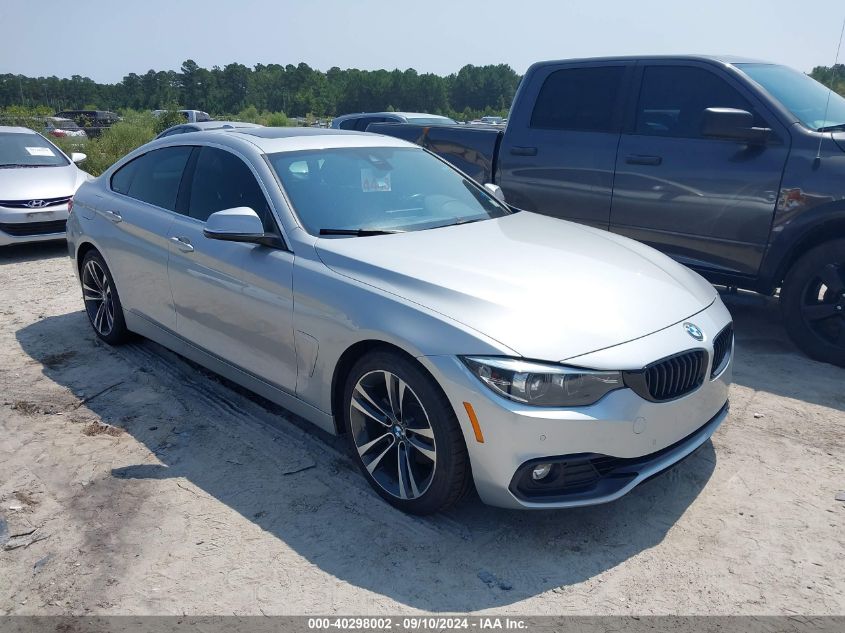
114 216
183 244
524 151
642 159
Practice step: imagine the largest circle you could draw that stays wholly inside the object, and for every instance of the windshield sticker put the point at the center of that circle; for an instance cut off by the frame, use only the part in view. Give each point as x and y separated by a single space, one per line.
371 181
40 151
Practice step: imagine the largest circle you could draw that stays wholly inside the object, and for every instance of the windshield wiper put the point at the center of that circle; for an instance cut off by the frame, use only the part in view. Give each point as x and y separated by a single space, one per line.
457 222
832 128
359 232
10 165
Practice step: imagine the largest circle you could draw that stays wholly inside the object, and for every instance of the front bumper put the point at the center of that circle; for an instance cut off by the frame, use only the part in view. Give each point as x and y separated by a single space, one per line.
21 226
646 436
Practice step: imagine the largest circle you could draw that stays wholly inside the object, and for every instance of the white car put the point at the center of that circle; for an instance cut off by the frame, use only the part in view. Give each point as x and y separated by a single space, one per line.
191 116
37 180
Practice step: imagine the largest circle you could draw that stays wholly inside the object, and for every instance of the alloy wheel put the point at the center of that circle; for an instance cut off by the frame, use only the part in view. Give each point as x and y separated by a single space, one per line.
98 296
393 434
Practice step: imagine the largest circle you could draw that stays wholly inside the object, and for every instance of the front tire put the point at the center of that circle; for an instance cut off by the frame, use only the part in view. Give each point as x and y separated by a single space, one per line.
813 302
102 303
404 435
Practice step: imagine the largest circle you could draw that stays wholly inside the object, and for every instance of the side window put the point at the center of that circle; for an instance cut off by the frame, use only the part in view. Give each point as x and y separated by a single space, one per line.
122 178
363 122
348 124
223 181
154 177
673 100
580 99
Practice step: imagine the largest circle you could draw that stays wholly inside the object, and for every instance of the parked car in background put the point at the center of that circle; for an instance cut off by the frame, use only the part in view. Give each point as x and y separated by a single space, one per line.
184 128
358 281
92 121
191 116
733 167
60 128
489 120
361 120
37 181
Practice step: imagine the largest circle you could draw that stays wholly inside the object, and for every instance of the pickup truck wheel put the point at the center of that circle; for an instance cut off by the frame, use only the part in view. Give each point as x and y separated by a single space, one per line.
813 302
404 435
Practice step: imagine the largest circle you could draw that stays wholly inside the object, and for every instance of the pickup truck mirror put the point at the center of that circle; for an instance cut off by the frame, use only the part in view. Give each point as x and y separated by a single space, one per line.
240 224
495 191
734 124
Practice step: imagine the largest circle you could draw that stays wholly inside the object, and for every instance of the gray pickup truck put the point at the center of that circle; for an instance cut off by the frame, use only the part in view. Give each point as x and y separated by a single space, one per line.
733 167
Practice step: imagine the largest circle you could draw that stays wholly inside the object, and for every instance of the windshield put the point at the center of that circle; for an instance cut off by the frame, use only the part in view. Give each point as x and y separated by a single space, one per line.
802 95
63 124
431 121
28 150
379 189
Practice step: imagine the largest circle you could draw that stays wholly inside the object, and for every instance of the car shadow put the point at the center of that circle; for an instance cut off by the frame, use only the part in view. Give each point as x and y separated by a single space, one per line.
767 360
17 253
469 558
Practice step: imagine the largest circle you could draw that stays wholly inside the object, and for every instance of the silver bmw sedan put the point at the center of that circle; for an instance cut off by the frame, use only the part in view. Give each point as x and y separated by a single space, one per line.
366 285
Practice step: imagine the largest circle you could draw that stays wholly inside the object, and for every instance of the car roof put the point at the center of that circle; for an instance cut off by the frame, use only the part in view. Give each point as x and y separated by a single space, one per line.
407 115
719 59
211 125
16 129
287 139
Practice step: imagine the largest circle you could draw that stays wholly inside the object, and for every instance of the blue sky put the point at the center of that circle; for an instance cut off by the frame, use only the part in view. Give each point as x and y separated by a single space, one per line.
107 39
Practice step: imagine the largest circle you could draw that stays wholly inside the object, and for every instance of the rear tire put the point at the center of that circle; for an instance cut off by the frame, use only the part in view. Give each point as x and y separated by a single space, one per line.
102 302
404 434
813 302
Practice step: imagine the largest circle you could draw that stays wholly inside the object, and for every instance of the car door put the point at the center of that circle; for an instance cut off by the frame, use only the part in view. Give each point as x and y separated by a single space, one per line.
137 215
707 202
558 158
233 299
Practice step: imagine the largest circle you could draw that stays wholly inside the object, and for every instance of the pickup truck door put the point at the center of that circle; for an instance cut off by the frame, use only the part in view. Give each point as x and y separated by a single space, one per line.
559 149
707 202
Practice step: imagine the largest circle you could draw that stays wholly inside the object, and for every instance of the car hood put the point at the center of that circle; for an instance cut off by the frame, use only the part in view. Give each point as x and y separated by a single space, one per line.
32 183
545 288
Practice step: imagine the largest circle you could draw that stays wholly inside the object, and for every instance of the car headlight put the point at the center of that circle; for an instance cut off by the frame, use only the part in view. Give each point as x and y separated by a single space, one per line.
542 384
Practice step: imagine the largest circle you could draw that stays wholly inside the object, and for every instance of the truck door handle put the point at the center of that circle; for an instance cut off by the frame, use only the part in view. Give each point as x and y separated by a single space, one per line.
114 216
642 159
183 244
524 151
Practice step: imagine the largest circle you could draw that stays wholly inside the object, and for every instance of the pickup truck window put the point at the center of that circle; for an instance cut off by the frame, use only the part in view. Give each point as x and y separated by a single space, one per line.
579 99
673 100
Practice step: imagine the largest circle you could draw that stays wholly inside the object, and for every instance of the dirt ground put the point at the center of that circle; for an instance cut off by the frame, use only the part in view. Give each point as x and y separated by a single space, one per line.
132 482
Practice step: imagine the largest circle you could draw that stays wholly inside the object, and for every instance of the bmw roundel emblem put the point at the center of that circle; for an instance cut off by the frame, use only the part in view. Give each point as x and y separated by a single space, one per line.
694 331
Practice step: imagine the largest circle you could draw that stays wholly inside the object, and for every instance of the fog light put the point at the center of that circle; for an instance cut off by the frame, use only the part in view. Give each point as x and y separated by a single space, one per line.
541 471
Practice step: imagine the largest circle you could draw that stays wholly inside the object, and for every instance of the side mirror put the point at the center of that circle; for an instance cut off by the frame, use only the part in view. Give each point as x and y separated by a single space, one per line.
733 124
78 157
495 191
240 224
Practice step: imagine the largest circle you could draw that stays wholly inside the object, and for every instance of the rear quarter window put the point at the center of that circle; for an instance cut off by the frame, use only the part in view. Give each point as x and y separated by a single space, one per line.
579 99
153 178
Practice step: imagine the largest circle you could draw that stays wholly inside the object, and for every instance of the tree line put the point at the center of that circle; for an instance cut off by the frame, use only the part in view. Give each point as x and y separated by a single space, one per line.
295 90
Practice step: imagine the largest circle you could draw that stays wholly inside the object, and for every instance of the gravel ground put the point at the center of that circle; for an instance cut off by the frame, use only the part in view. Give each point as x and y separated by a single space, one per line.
133 482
